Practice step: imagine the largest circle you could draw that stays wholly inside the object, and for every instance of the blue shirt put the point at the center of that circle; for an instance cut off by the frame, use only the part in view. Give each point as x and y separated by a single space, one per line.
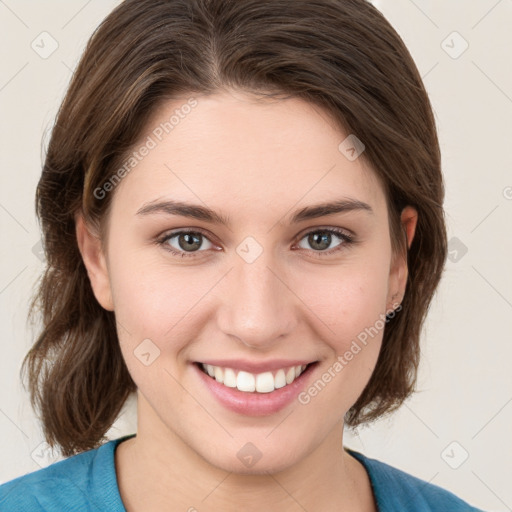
87 482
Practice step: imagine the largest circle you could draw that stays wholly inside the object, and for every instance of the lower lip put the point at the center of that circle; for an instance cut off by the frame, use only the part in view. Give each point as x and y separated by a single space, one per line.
255 404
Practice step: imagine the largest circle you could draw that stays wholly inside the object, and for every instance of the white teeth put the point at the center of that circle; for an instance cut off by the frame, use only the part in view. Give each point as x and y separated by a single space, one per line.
219 374
244 381
265 382
290 375
229 378
280 379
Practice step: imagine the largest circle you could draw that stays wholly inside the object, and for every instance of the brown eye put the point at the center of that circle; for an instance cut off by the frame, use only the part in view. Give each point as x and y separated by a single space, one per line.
188 241
183 242
320 240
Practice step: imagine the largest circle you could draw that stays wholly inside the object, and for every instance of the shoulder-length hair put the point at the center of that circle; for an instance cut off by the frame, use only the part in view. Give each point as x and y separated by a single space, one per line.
341 55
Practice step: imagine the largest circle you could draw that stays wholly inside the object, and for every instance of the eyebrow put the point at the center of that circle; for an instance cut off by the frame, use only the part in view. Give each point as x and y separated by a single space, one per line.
193 211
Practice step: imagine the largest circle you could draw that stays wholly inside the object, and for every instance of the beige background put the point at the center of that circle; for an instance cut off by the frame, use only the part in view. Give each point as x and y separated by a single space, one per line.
464 407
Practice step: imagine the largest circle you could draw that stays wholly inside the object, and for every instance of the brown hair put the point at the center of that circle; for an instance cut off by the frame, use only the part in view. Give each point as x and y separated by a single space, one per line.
341 55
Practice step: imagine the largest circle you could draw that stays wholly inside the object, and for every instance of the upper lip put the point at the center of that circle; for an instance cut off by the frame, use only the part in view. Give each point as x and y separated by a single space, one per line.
254 367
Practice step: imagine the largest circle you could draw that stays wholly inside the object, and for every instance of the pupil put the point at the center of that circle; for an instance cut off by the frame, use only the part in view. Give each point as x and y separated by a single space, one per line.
323 239
190 241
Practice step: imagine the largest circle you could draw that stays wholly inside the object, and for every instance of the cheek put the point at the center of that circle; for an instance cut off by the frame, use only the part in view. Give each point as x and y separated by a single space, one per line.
152 297
152 309
349 317
159 308
347 298
156 301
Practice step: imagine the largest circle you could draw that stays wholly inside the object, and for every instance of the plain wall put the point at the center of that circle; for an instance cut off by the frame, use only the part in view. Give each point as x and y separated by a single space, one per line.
456 431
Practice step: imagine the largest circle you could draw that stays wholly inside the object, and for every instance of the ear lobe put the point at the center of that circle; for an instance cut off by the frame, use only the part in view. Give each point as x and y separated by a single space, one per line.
94 259
399 271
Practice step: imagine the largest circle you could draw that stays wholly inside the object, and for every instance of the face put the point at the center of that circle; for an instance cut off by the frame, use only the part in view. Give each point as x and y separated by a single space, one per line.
250 273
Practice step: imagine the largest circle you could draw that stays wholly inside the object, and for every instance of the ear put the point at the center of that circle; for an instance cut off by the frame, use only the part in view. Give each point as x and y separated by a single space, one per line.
95 262
399 272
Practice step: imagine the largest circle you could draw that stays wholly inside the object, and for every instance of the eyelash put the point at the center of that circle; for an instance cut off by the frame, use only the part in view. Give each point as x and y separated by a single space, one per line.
347 240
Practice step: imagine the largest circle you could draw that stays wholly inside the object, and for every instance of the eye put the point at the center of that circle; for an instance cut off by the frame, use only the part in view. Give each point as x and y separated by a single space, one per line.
180 243
321 239
185 244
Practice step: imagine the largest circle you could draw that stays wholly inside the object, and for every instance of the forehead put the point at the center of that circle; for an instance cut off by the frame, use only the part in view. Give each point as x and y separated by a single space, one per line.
235 149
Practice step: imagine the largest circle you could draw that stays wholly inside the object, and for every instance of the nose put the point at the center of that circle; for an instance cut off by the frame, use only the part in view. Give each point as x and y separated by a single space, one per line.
257 305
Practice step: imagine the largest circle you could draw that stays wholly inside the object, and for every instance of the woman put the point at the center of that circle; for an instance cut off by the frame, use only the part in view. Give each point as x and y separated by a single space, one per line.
242 213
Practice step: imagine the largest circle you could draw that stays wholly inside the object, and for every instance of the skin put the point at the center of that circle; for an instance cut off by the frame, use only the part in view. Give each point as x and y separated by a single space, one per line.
255 162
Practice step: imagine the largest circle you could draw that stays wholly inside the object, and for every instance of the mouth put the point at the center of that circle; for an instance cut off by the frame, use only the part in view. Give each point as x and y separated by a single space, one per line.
255 383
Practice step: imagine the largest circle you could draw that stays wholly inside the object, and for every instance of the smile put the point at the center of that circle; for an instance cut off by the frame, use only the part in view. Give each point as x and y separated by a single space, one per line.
265 382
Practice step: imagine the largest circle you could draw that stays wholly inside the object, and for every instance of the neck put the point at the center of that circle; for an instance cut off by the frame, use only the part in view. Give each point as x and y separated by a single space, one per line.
157 470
